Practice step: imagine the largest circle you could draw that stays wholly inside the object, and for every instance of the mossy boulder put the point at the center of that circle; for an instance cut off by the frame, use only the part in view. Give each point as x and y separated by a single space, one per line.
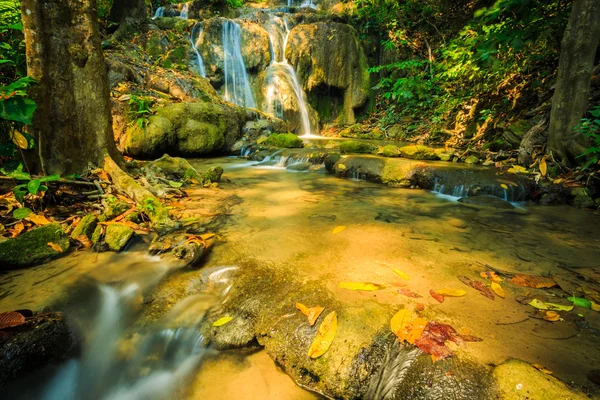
582 198
352 146
444 154
518 380
86 226
390 151
117 236
187 129
284 140
212 175
113 208
174 168
418 152
472 160
31 248
174 23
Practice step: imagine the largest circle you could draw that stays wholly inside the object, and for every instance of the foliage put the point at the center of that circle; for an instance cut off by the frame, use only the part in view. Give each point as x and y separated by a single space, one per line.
139 109
30 185
590 128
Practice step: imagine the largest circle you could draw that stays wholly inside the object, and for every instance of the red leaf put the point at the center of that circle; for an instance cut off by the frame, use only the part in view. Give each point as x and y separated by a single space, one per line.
428 344
11 319
437 296
408 293
477 285
441 332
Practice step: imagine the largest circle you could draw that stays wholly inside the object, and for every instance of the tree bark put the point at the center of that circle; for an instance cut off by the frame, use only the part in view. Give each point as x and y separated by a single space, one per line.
570 101
72 125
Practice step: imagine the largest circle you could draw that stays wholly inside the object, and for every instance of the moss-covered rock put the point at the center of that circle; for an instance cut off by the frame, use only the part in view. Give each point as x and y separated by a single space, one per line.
113 208
175 168
472 160
518 380
32 247
582 198
418 152
444 154
174 23
390 151
352 146
97 235
117 236
86 226
284 140
212 175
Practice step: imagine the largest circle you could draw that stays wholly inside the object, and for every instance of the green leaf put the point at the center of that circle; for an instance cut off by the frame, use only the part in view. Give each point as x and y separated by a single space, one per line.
33 186
43 188
175 184
580 302
20 175
18 109
21 213
50 178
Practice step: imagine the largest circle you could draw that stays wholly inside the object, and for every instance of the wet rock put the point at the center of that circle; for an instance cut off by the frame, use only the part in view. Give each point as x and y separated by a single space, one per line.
418 152
174 168
113 207
472 160
86 226
284 140
594 376
391 151
212 175
371 168
31 247
487 201
351 146
444 154
332 67
174 23
301 166
117 236
43 340
582 198
188 129
191 252
519 380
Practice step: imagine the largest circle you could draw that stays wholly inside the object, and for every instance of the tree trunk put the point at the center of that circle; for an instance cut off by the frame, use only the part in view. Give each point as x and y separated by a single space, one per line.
72 125
128 10
570 101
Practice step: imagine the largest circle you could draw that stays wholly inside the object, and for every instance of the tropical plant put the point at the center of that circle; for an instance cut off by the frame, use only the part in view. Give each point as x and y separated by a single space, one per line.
590 128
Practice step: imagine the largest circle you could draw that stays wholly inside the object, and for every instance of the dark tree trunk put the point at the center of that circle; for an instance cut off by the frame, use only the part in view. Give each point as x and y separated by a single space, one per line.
72 125
128 11
570 99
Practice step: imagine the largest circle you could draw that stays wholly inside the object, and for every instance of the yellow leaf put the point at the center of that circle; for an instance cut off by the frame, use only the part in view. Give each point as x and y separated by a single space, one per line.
504 186
497 289
540 305
55 247
543 167
20 140
325 336
452 292
222 321
338 229
405 327
400 273
417 327
207 236
366 286
595 306
399 322
517 169
312 313
38 219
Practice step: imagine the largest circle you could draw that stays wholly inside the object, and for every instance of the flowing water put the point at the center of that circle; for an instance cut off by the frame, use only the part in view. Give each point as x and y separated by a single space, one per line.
237 84
283 222
195 37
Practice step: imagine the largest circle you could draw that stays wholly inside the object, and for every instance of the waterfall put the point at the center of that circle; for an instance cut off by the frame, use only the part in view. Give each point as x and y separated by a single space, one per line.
160 12
280 74
185 10
194 38
237 85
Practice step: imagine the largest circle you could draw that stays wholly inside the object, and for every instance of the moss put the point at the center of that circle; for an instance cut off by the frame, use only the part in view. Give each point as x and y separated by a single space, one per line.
97 235
173 168
86 226
351 146
32 247
200 137
472 160
114 208
147 140
444 154
117 236
212 175
391 151
418 152
284 140
155 46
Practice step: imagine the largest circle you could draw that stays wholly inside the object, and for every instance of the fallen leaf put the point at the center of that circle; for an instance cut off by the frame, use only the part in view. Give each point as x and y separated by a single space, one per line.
399 321
38 219
595 306
207 236
325 336
543 167
436 296
537 282
541 368
491 275
504 186
366 286
552 316
11 319
177 204
338 229
580 302
409 293
55 247
222 321
477 285
452 292
87 243
517 169
400 274
312 313
420 306
497 289
17 229
540 305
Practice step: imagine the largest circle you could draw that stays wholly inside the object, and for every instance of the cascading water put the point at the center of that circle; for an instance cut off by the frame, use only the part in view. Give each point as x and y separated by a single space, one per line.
281 76
237 84
160 12
194 38
185 11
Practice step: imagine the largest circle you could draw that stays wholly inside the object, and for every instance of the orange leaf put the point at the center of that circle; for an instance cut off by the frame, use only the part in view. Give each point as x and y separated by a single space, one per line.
543 167
84 241
312 313
38 219
55 247
497 289
532 281
11 319
18 228
552 316
325 336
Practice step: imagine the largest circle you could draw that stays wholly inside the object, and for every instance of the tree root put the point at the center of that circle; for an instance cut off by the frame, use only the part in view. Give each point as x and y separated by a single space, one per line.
158 214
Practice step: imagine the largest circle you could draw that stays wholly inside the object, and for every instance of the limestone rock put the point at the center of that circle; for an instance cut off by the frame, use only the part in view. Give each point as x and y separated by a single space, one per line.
86 226
117 236
31 248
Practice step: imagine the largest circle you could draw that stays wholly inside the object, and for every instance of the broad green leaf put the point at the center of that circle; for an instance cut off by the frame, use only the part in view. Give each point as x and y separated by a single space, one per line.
18 109
175 184
21 213
20 175
580 302
50 178
33 186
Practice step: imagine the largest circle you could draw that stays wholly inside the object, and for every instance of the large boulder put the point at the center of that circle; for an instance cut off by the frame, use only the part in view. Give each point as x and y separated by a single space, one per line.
332 67
33 247
187 129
